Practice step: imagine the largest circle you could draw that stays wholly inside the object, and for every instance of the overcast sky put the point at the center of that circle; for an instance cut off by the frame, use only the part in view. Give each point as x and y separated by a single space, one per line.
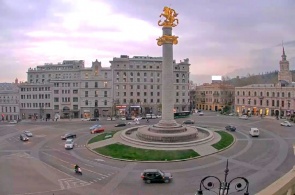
228 37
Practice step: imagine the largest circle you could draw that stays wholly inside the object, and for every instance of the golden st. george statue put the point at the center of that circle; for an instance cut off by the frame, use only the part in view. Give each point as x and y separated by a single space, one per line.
170 17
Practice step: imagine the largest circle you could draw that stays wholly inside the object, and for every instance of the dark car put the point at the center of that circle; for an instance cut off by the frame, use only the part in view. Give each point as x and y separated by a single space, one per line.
188 122
120 125
94 119
68 136
230 128
23 137
155 175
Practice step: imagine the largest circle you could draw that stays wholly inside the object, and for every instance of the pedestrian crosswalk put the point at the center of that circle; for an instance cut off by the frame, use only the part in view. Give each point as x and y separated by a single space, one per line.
72 182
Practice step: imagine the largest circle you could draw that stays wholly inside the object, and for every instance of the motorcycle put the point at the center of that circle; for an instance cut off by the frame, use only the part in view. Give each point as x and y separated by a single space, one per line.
78 171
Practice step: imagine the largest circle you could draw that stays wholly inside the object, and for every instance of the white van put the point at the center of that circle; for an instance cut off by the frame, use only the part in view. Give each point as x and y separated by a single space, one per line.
254 132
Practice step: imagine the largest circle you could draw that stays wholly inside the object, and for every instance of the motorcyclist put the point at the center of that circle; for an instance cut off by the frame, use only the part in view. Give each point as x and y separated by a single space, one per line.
76 167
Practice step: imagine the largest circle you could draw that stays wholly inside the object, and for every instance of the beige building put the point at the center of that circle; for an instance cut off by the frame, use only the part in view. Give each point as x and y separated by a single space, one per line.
9 101
96 91
137 85
268 99
214 96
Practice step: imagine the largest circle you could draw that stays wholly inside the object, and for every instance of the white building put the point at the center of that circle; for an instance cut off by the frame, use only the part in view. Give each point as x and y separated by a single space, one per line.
268 99
137 83
9 101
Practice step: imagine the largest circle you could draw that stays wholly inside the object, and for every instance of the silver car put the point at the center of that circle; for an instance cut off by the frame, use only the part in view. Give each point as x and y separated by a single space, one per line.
28 133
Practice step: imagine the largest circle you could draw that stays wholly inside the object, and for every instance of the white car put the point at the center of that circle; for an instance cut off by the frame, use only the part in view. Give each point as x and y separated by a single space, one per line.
201 114
85 119
69 144
109 119
13 122
159 116
133 123
245 117
28 133
123 118
95 126
286 124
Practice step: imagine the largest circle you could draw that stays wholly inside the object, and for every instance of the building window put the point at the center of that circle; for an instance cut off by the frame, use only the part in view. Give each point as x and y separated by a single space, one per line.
86 102
238 101
138 86
260 102
255 93
261 94
278 103
56 99
86 93
56 107
289 94
238 93
55 91
96 103
105 84
254 102
131 93
267 94
105 102
95 84
249 93
243 101
273 103
105 94
283 94
278 94
267 102
75 99
86 84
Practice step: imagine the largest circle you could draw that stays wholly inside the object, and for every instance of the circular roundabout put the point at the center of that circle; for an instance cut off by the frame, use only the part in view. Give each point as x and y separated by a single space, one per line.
47 168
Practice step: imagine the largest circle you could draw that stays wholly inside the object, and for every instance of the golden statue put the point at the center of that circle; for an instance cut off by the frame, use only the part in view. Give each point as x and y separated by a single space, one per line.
170 17
167 39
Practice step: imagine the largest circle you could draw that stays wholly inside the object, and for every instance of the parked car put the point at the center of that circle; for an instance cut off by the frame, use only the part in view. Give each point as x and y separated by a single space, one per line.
159 116
69 144
120 125
94 119
68 135
23 137
188 122
123 118
245 117
28 133
230 128
286 124
13 122
230 114
97 130
95 126
254 132
201 113
85 119
155 175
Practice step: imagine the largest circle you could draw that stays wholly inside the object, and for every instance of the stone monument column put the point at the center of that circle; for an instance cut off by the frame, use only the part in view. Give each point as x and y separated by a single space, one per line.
167 130
166 41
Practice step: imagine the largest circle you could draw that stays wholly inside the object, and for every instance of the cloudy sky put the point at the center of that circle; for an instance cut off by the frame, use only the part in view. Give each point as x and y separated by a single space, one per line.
229 37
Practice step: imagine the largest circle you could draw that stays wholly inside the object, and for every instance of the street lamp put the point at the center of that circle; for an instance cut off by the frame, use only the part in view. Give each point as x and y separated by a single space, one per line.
224 186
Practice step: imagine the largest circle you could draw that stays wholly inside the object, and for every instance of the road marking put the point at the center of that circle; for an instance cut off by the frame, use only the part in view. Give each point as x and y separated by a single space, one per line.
100 160
89 165
39 135
56 158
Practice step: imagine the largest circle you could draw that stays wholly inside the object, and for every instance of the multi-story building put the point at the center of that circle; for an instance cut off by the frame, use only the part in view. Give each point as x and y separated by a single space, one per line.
268 99
96 96
137 84
214 96
52 90
9 101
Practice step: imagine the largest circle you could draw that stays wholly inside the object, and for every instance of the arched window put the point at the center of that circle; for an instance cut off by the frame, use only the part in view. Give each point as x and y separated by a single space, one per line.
177 75
254 102
255 93
249 93
243 101
267 94
273 94
243 93
278 94
289 94
283 94
261 93
238 92
267 102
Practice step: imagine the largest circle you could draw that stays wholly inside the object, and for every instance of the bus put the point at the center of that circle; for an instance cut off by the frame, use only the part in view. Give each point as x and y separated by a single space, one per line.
182 114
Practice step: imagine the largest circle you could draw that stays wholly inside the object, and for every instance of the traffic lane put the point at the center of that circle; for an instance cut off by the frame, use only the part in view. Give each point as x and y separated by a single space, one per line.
181 165
183 182
20 171
275 127
65 162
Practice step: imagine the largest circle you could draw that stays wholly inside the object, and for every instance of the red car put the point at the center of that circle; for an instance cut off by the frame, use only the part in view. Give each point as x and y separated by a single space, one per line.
97 130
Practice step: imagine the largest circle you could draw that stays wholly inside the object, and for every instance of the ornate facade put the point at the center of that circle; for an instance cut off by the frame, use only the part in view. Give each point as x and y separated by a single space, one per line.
268 99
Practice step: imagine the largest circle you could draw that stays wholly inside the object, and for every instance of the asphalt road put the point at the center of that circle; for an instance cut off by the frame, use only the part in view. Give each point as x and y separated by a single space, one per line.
43 166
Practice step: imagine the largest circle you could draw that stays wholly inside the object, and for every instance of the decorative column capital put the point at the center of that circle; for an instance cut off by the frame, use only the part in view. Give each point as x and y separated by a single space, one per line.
167 39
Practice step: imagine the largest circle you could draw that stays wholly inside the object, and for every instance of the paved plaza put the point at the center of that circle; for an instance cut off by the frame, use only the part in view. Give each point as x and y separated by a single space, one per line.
43 166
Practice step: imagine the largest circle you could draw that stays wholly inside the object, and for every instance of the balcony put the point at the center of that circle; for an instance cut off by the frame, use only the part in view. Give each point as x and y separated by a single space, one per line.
284 185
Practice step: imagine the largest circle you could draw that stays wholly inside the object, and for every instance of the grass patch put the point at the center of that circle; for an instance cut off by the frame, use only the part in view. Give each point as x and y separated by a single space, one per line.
101 137
122 151
226 140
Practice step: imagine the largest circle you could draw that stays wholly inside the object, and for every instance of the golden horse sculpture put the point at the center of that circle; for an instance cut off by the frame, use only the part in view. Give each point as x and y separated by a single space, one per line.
167 39
170 17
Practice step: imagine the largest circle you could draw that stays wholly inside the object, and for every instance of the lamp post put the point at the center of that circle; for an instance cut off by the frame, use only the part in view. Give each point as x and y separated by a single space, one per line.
224 186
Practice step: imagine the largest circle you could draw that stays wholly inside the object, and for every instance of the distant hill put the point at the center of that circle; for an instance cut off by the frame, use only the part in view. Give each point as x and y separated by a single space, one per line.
262 78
